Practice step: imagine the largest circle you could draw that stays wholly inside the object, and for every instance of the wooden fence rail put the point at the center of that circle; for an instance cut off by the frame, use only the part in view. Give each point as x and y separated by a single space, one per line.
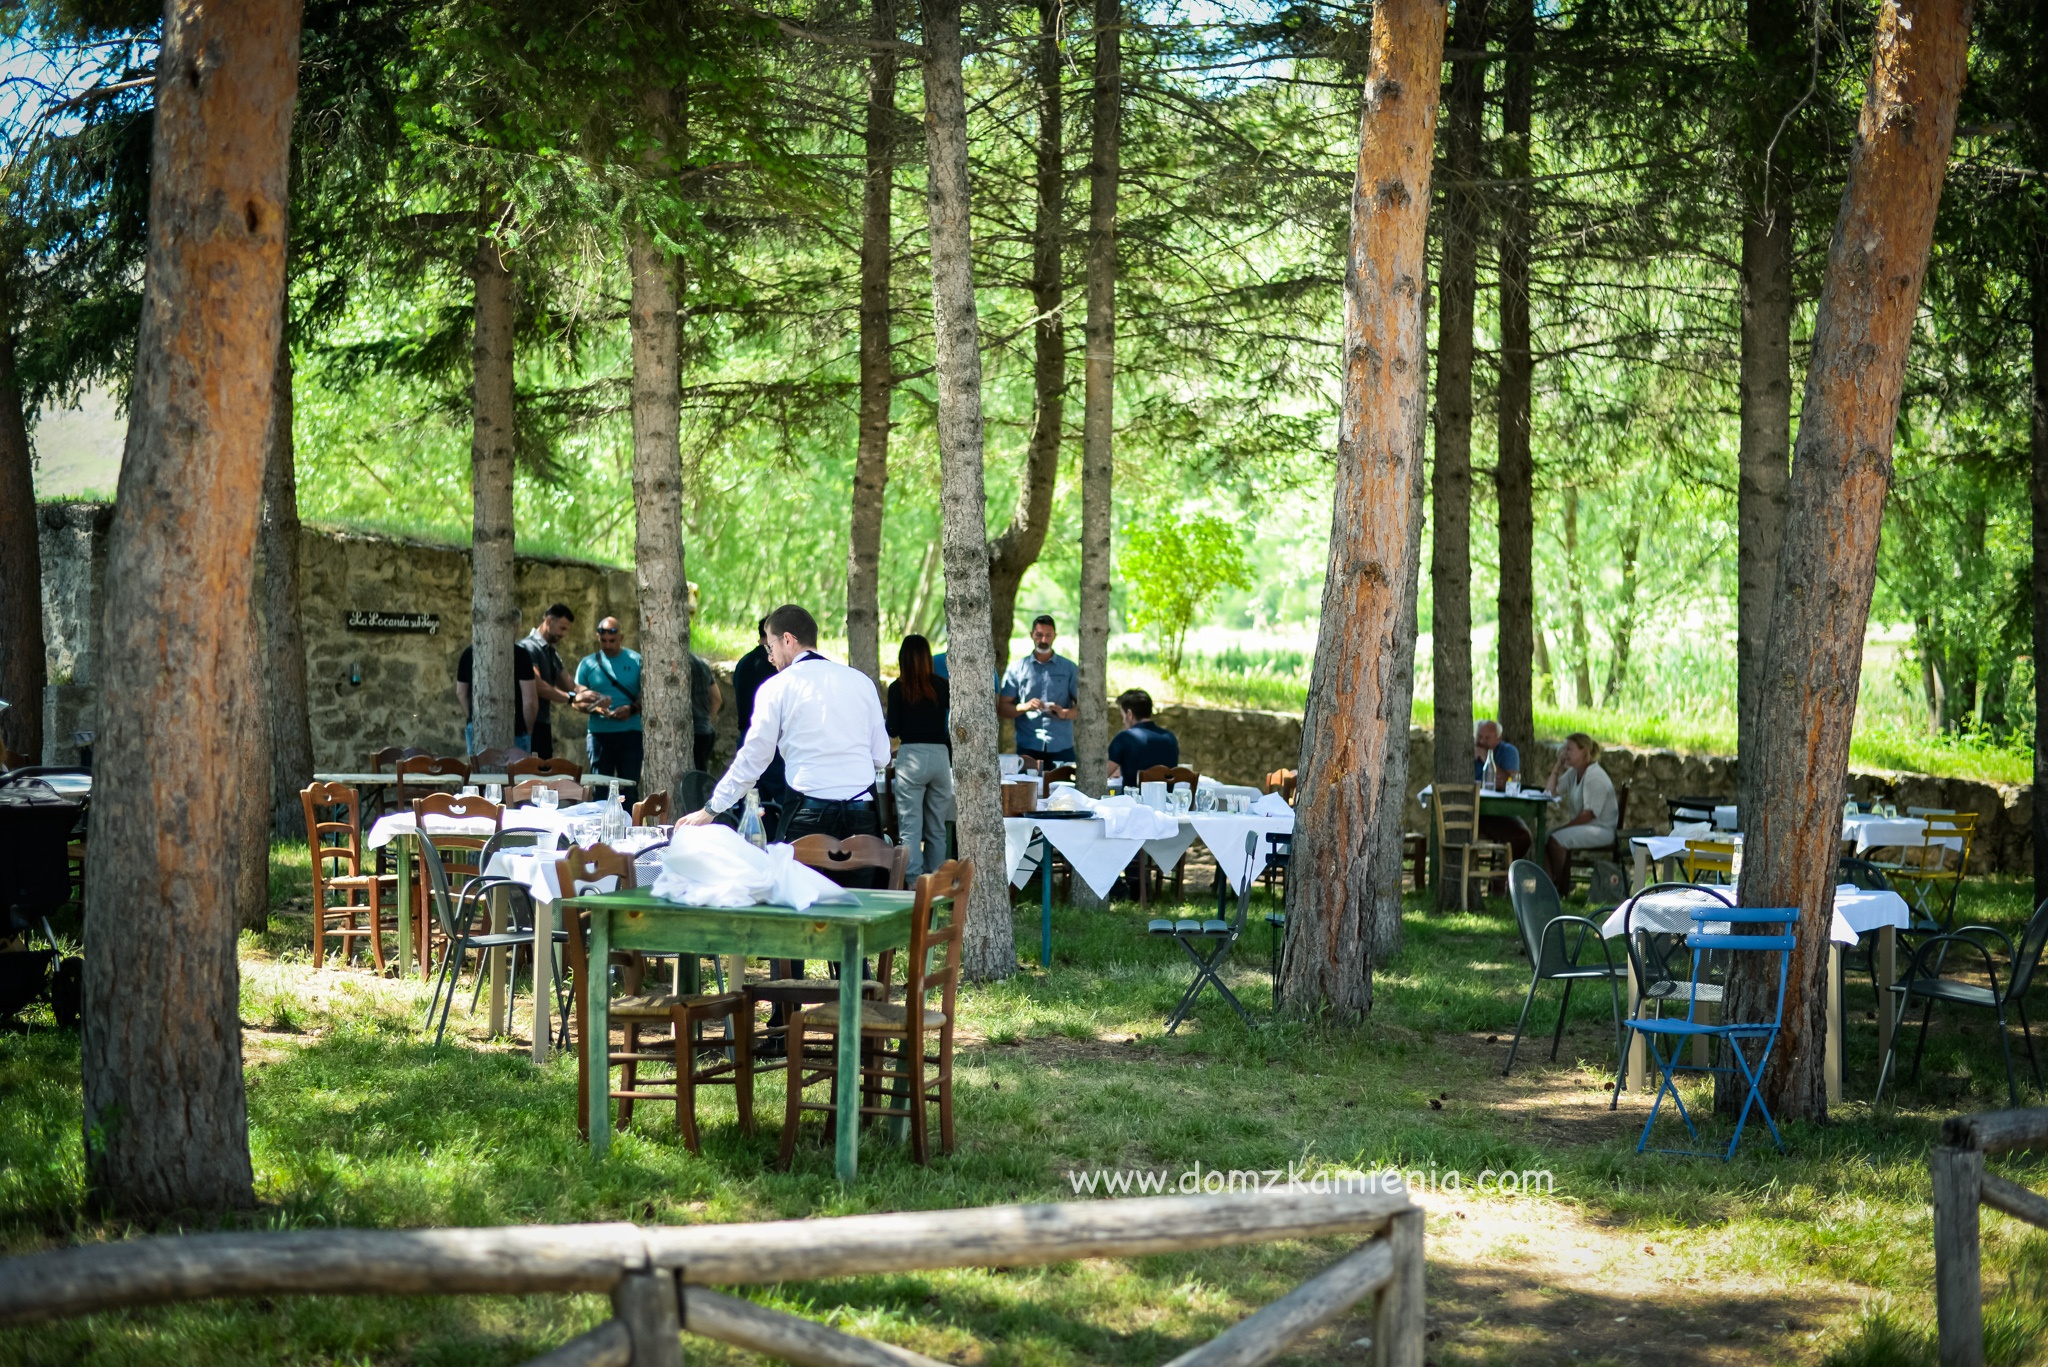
1960 1186
659 1278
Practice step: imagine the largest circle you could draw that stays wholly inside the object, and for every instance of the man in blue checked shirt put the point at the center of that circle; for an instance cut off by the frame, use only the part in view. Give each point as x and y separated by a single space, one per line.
1042 694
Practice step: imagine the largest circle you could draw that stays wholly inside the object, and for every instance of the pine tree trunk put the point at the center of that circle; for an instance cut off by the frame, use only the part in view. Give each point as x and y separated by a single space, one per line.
1450 556
291 734
493 600
165 1114
658 566
2038 486
1841 472
989 950
251 846
1017 549
1098 418
23 665
1514 470
1346 842
1621 628
877 361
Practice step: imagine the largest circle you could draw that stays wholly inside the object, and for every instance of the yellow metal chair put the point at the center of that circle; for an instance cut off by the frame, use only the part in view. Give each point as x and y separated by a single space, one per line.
1709 861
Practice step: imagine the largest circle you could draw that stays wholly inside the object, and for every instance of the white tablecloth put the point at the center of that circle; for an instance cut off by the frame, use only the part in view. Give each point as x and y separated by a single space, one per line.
1877 832
535 870
1664 846
1223 833
1099 858
557 821
1857 913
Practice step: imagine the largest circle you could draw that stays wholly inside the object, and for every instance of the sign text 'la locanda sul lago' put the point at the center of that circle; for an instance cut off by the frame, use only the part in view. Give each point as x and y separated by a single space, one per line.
360 619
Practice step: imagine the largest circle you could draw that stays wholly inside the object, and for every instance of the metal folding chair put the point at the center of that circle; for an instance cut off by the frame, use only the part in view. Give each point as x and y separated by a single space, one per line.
1541 916
1677 1032
1219 935
1925 984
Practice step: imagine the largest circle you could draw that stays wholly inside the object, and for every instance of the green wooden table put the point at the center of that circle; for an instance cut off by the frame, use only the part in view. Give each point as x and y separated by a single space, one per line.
846 934
1532 808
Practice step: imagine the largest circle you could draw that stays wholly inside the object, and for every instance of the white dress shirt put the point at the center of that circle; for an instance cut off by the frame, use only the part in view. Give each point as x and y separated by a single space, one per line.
826 720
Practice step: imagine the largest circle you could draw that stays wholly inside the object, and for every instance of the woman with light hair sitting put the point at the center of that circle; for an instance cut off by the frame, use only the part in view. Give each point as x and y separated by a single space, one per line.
1591 809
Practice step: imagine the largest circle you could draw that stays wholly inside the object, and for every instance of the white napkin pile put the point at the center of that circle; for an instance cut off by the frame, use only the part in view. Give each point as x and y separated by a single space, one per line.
1126 818
1070 800
714 866
1693 830
1271 804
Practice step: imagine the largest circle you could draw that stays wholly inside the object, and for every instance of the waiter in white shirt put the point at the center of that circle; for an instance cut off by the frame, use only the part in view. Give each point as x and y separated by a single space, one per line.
826 720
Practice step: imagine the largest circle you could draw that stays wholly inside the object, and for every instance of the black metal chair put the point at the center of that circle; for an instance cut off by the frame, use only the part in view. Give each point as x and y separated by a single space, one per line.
1924 982
459 912
1220 936
1663 966
1540 914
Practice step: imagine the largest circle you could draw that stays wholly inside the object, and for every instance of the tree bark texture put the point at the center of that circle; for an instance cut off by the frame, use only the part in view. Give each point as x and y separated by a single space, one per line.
1765 368
989 949
2038 487
1356 732
1016 549
284 639
251 847
1450 552
659 569
165 1114
1841 473
1514 469
493 600
877 379
23 663
1098 414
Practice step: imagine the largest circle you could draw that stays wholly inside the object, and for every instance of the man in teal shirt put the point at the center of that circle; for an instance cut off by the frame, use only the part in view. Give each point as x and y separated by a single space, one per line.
608 688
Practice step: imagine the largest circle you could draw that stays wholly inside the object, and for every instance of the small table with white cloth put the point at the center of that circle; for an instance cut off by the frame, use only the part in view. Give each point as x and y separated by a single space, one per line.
1864 831
1857 913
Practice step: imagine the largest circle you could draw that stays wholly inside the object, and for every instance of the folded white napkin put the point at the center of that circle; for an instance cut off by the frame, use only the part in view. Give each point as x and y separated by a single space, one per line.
1271 804
1126 818
1070 800
1693 830
714 866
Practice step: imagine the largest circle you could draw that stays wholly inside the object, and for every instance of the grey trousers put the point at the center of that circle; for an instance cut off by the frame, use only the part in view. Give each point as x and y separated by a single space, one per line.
924 804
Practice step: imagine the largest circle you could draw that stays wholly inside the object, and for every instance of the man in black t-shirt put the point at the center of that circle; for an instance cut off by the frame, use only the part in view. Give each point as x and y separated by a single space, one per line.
1143 743
549 675
753 670
523 691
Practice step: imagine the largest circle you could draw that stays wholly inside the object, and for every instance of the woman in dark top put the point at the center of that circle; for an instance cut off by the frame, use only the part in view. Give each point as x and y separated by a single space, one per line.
924 761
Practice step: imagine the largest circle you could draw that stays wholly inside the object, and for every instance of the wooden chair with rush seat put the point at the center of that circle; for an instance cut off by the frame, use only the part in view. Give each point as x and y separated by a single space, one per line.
1461 854
334 832
583 870
497 760
1282 781
895 1066
853 862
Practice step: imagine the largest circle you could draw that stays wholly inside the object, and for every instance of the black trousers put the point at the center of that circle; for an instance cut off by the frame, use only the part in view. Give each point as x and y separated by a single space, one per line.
544 740
701 750
617 755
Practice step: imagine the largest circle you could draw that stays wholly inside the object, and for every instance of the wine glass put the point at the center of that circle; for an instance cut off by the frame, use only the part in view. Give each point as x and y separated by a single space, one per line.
494 793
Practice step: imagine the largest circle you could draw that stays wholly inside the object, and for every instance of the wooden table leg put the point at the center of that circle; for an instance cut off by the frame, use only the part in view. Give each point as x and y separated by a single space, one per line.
543 978
846 1147
597 1042
1832 1063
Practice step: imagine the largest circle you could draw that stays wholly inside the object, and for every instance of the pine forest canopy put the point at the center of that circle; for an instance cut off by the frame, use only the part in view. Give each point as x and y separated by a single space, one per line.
1238 124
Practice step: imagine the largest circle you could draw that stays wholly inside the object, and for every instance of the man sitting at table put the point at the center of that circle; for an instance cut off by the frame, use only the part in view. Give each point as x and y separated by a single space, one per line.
1501 829
1592 810
1143 743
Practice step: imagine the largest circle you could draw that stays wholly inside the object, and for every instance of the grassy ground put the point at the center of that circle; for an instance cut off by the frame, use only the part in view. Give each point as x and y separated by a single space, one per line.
1821 1255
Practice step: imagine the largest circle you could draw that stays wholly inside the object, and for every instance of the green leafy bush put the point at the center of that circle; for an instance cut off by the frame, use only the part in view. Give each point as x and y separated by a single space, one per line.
1174 570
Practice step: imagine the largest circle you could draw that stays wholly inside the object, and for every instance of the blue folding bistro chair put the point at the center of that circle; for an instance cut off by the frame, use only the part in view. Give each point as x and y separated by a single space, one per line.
1677 1032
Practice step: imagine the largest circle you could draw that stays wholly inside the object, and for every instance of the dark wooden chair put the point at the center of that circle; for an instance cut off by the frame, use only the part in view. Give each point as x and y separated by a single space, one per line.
1461 854
1170 775
497 760
853 862
1282 781
431 766
334 831
693 1061
896 1068
652 810
461 855
1061 773
533 766
383 759
567 789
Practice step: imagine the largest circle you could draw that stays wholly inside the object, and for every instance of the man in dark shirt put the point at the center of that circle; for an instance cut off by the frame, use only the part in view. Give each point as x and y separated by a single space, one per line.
705 700
1143 743
753 670
524 697
549 675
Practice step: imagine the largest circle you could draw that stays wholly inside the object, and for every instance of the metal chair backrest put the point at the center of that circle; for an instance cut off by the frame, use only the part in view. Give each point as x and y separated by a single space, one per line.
1685 809
435 765
1703 945
1715 857
949 885
693 790
533 766
2027 954
567 789
1535 900
1455 808
1932 811
496 760
1650 952
1254 865
839 860
652 810
1949 825
334 832
438 894
1170 774
1861 873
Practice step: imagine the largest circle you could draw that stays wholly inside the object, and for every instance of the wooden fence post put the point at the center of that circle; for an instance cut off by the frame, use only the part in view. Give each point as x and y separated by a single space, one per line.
1397 1328
1958 1284
645 1302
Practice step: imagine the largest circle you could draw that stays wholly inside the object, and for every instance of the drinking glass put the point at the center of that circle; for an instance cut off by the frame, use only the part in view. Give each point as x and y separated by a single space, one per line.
547 799
469 790
494 792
